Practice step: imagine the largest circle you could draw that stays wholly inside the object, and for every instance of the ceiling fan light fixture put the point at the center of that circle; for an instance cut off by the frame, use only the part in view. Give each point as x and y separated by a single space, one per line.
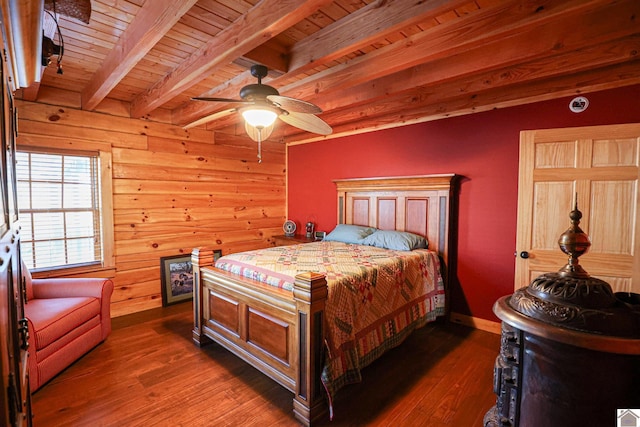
263 105
259 116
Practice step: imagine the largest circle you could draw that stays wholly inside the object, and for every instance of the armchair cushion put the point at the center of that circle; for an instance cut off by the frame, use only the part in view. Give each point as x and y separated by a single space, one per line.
51 317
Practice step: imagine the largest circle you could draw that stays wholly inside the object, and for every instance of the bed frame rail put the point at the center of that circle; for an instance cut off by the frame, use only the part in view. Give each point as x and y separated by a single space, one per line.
279 332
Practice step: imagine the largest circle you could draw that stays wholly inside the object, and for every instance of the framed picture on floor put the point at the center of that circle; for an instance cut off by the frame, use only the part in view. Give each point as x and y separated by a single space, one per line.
176 275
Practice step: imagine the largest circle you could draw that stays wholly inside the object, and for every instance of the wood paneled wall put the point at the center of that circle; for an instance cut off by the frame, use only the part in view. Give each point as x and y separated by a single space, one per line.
173 189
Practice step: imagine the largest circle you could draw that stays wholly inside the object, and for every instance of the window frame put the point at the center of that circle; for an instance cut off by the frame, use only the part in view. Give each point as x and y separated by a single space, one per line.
107 265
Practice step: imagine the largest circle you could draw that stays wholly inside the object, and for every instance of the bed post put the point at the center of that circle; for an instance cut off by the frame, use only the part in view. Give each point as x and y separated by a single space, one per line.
310 293
200 257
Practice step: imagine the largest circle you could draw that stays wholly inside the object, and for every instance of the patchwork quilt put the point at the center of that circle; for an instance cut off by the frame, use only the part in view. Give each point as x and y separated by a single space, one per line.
377 297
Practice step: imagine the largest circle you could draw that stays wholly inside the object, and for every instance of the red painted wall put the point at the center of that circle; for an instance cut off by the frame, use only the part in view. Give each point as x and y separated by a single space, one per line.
481 147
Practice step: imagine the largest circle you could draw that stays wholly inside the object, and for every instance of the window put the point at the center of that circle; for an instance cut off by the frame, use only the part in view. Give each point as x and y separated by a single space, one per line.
60 208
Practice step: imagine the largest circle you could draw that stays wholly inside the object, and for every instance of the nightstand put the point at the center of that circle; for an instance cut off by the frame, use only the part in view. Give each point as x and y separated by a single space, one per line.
283 240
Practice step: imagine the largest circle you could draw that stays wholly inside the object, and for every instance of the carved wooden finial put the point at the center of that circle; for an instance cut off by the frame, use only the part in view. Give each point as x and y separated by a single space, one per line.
574 242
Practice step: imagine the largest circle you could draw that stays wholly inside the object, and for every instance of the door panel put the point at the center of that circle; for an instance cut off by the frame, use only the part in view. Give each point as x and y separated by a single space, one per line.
597 167
545 214
612 199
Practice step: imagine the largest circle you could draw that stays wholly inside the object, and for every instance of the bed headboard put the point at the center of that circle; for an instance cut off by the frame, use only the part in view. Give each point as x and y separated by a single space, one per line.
417 204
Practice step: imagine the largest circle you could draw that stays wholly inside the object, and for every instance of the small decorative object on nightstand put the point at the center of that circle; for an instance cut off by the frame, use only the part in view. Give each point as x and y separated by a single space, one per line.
310 227
289 228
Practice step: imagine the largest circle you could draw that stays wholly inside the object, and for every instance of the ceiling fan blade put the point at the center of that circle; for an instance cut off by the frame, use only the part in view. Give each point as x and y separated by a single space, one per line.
210 118
295 105
204 98
308 122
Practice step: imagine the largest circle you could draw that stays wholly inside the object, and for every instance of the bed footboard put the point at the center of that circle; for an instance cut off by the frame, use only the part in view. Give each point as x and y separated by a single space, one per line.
278 332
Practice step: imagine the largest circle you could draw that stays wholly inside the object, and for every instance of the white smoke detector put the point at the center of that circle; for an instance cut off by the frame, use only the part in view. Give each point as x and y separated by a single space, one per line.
578 104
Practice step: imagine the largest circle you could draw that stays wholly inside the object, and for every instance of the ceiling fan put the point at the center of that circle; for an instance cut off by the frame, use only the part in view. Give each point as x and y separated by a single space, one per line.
262 104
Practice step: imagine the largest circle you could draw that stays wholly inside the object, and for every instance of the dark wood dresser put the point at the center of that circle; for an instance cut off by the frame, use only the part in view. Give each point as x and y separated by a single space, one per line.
570 348
15 395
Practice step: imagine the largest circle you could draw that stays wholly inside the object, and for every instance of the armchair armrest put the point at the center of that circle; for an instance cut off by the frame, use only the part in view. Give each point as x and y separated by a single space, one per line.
78 287
72 287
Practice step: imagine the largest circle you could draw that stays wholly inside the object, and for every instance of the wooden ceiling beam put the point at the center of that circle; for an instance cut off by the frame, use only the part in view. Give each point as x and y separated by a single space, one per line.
393 112
452 50
374 21
271 55
49 29
378 19
454 38
262 22
150 24
556 42
614 51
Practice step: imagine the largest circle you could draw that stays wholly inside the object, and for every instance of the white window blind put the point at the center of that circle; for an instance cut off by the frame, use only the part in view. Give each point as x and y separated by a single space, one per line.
59 208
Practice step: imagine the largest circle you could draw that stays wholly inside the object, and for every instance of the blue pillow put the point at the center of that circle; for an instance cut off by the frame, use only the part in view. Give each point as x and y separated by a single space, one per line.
348 233
396 240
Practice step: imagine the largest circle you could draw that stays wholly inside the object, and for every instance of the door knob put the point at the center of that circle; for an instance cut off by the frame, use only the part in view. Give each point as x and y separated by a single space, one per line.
524 254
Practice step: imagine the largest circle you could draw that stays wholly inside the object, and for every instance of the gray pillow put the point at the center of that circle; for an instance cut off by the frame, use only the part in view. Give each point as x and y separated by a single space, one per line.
348 233
396 240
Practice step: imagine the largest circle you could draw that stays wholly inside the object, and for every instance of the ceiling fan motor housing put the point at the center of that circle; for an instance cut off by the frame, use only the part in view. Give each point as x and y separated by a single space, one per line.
256 92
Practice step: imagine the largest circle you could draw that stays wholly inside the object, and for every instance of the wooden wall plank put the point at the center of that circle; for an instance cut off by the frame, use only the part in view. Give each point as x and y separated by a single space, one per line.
111 139
151 172
173 190
135 217
244 163
87 119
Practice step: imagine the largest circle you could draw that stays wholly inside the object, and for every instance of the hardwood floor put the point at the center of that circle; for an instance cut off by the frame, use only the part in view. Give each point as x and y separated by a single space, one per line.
149 373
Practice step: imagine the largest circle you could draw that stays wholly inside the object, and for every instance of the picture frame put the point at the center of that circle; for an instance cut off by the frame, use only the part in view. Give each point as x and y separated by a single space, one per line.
176 275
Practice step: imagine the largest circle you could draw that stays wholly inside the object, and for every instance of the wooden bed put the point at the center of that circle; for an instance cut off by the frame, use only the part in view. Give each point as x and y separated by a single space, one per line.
281 333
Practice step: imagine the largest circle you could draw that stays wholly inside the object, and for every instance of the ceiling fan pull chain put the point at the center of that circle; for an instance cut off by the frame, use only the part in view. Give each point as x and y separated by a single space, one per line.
259 145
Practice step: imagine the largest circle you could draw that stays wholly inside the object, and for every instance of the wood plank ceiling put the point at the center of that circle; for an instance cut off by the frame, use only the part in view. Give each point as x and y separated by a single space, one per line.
368 64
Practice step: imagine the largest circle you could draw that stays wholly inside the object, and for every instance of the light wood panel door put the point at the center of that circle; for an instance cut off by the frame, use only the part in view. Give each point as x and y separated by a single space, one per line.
599 166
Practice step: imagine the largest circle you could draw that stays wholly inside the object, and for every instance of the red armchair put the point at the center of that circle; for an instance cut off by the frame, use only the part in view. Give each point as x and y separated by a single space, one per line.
67 318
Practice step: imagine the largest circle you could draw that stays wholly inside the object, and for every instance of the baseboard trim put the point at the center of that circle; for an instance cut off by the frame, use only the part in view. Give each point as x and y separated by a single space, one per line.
476 322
